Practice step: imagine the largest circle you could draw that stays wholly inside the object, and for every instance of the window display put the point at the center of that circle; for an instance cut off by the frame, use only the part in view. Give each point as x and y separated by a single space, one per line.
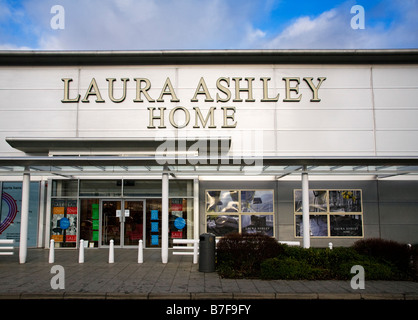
244 211
337 202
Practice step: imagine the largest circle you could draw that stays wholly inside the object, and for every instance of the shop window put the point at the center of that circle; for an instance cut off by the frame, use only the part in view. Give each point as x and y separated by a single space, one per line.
101 188
64 188
64 222
142 188
89 221
244 211
333 213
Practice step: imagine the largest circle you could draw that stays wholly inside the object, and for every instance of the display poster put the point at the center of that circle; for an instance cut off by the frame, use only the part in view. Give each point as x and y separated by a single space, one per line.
155 240
154 214
154 226
64 220
221 225
10 212
318 225
346 225
261 224
95 221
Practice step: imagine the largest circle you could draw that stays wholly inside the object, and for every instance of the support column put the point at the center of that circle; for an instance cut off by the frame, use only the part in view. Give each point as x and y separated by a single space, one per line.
196 222
305 209
24 218
164 227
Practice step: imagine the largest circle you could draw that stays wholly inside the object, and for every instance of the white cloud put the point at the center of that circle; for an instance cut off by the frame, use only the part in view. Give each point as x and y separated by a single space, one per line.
332 30
153 24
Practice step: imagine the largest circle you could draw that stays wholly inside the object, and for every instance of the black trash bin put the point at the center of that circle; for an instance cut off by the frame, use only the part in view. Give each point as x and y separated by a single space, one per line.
207 252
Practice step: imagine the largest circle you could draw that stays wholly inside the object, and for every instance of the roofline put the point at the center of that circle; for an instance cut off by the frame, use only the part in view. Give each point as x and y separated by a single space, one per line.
206 57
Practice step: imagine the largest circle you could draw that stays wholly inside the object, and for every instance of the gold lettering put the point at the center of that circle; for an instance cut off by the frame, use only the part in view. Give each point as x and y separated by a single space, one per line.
111 96
202 84
93 90
204 121
238 89
289 88
265 91
223 89
169 86
144 90
229 116
67 91
313 88
171 117
152 117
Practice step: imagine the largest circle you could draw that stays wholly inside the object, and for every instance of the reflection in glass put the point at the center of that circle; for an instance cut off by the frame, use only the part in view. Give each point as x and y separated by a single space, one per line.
345 201
257 201
221 225
317 201
222 201
318 225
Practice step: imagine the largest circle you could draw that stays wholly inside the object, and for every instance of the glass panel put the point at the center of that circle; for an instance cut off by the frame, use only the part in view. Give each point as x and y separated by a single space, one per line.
221 225
64 188
134 222
181 188
64 222
222 201
89 221
181 219
142 188
318 225
317 201
261 224
111 222
345 201
104 188
257 201
153 223
346 225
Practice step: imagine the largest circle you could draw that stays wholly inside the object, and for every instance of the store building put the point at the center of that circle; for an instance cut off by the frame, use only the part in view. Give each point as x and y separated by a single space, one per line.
159 145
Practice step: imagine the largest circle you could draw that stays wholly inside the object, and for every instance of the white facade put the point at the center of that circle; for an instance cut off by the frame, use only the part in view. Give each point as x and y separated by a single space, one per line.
239 121
364 110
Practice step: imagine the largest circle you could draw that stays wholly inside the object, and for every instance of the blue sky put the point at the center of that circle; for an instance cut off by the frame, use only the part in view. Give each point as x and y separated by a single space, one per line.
207 24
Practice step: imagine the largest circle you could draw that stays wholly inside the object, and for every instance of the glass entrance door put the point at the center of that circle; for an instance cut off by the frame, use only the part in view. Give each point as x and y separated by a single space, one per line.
134 222
111 222
122 222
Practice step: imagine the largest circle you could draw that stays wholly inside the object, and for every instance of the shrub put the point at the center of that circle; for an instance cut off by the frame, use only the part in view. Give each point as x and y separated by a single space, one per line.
290 268
240 255
392 252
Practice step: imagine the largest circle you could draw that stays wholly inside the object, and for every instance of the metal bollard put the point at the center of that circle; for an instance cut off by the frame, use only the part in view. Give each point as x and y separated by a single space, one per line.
111 252
140 252
81 252
51 251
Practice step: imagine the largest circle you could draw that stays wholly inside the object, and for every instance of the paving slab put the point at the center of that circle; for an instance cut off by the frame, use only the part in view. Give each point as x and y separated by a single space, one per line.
179 279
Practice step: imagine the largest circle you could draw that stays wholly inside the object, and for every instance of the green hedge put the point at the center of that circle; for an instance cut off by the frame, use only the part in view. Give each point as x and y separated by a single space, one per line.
256 256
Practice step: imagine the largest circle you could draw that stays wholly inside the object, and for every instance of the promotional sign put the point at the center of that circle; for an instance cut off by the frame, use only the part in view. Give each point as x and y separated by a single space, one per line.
10 210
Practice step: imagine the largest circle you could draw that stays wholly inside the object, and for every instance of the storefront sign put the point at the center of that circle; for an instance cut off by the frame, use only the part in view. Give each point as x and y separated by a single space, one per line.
227 90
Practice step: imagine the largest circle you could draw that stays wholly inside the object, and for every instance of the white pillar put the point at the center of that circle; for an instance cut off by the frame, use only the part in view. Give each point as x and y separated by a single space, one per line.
305 209
196 222
111 252
81 252
140 252
164 227
24 217
51 258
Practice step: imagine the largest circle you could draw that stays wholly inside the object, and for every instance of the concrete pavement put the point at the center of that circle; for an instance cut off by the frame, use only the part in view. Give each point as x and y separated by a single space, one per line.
179 279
